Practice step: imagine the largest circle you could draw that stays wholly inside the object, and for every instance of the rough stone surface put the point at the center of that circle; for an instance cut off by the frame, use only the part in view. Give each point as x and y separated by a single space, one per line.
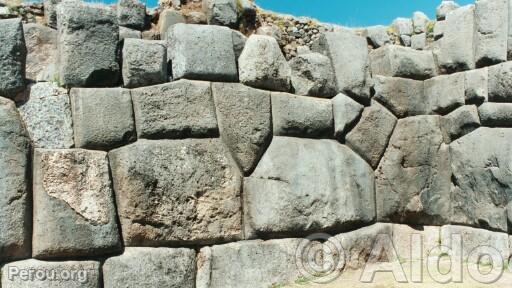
125 33
346 113
300 116
144 63
262 64
131 14
439 28
405 40
491 34
312 75
15 221
46 112
172 192
304 185
500 82
378 35
87 45
398 61
188 43
86 274
444 8
102 117
405 239
419 41
221 12
403 26
378 122
74 211
239 40
413 177
403 97
41 51
473 238
178 109
482 178
496 114
13 54
460 122
245 122
419 22
445 93
168 18
151 267
476 85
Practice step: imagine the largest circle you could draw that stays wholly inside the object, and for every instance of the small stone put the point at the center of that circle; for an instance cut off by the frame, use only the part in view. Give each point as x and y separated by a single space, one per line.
406 40
13 57
420 22
221 12
496 114
404 97
491 34
398 61
125 33
403 26
419 41
168 18
500 82
50 12
445 93
445 7
476 84
378 36
460 122
41 50
312 75
131 14
346 113
144 63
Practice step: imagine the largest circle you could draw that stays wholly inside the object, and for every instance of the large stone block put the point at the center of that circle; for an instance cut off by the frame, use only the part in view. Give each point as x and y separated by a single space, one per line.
500 82
46 112
312 75
175 110
41 44
491 31
403 26
262 65
102 117
420 22
413 177
346 114
144 63
378 35
188 44
221 12
41 274
403 97
245 122
445 93
406 241
166 19
15 209
88 45
131 14
444 8
304 185
74 211
301 116
496 114
177 192
482 178
476 85
13 57
151 267
460 122
398 61
377 124
344 47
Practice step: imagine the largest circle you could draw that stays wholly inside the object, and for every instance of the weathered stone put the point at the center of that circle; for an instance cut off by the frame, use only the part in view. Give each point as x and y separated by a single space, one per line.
262 64
245 122
482 178
144 63
420 22
496 114
476 85
270 30
406 40
456 51
403 97
301 116
405 241
500 82
195 17
491 34
413 177
346 113
304 185
403 26
398 61
50 12
15 211
41 51
344 47
439 28
168 18
102 117
378 122
248 264
444 8
445 93
221 12
177 192
69 274
239 40
188 43
419 41
74 211
13 54
460 122
178 109
312 75
151 267
125 33
87 44
131 14
378 35
46 112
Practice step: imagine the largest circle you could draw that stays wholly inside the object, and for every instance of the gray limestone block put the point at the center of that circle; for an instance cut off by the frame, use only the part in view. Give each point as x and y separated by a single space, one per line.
202 52
496 114
239 40
34 273
245 122
178 109
305 185
460 122
131 14
439 28
398 61
500 82
413 177
301 116
262 64
74 211
177 192
13 58
313 75
221 12
377 124
419 41
378 35
151 267
166 19
87 45
444 8
491 32
420 22
445 93
102 117
346 113
476 85
407 239
15 208
125 33
41 44
404 97
403 26
144 63
46 112
406 40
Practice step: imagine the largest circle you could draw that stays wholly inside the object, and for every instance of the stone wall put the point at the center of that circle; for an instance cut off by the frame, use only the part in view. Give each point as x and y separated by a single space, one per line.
206 158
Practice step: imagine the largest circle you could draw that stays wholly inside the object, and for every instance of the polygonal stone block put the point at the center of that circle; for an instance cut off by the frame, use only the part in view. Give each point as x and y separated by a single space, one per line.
491 34
398 61
131 14
445 93
460 122
403 97
14 56
346 113
144 63
496 114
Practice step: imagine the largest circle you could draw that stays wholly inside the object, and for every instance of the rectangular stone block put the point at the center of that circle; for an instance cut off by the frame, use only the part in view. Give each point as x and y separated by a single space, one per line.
491 31
131 14
416 242
496 114
399 61
500 82
445 93
166 19
460 122
14 57
476 85
403 97
144 63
